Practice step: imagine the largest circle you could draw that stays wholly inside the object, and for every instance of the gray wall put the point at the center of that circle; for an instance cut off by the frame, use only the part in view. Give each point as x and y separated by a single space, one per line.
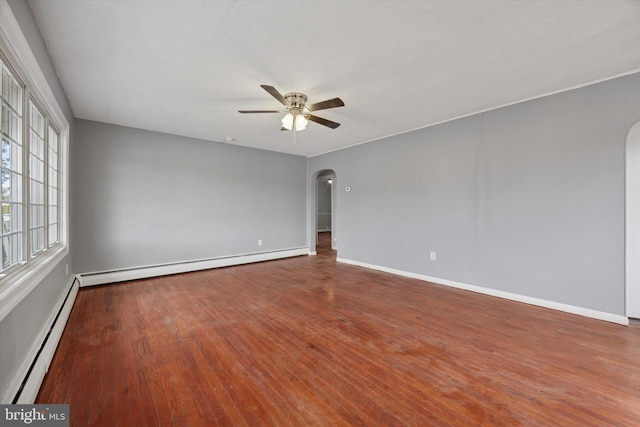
146 198
527 199
19 330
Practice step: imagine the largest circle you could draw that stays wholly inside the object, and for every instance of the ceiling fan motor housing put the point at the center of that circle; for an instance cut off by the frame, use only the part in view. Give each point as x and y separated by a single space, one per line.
296 100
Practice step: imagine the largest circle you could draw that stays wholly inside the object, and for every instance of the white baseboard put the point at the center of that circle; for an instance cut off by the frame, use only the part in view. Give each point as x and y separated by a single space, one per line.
103 277
600 315
37 362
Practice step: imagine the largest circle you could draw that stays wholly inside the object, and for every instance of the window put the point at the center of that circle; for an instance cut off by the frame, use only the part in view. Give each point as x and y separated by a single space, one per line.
34 137
11 94
52 186
36 179
39 195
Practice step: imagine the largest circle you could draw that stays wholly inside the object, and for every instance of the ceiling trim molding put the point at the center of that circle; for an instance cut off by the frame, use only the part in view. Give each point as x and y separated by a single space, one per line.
568 89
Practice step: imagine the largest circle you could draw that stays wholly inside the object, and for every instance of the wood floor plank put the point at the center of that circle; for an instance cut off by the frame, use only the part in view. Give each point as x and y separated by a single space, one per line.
308 341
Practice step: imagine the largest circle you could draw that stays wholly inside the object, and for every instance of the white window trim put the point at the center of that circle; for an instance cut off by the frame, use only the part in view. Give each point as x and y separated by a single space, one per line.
17 285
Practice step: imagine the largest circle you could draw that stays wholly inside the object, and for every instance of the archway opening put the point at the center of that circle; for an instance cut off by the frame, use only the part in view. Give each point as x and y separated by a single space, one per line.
632 223
323 225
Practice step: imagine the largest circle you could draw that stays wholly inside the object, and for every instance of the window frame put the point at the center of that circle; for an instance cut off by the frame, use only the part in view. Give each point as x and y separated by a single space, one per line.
19 280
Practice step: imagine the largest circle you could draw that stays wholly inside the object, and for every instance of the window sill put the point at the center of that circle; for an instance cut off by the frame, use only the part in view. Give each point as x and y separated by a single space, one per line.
17 285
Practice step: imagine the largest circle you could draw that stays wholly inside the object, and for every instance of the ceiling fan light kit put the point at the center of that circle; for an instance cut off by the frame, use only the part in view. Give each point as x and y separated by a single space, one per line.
288 121
297 113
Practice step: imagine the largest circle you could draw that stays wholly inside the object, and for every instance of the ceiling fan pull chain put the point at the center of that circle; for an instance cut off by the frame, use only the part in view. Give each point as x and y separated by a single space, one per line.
294 128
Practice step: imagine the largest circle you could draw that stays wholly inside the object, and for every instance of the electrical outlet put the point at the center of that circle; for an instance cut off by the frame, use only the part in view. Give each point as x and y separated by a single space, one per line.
432 256
259 242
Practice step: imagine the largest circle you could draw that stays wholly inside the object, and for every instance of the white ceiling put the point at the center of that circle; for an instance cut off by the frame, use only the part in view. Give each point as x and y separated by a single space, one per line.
186 67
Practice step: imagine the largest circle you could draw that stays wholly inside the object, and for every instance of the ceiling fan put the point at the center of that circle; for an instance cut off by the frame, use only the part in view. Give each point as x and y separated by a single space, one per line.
297 112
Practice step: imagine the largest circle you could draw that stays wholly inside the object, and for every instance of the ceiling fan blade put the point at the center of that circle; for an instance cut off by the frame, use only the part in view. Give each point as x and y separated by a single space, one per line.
329 103
274 92
322 121
259 111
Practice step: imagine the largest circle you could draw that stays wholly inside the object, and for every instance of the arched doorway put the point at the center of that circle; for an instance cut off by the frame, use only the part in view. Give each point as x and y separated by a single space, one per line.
632 223
323 223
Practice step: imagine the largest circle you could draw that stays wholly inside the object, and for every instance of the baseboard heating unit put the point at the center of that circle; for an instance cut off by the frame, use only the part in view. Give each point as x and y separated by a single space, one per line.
28 389
135 273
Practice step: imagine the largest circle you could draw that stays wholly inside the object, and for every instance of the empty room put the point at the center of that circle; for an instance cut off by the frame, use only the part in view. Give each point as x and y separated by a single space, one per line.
295 213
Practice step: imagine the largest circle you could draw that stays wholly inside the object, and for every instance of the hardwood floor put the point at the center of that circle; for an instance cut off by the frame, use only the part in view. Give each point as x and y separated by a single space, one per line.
306 341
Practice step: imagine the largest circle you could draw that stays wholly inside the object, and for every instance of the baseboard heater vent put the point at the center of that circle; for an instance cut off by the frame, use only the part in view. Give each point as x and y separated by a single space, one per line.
143 272
30 385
